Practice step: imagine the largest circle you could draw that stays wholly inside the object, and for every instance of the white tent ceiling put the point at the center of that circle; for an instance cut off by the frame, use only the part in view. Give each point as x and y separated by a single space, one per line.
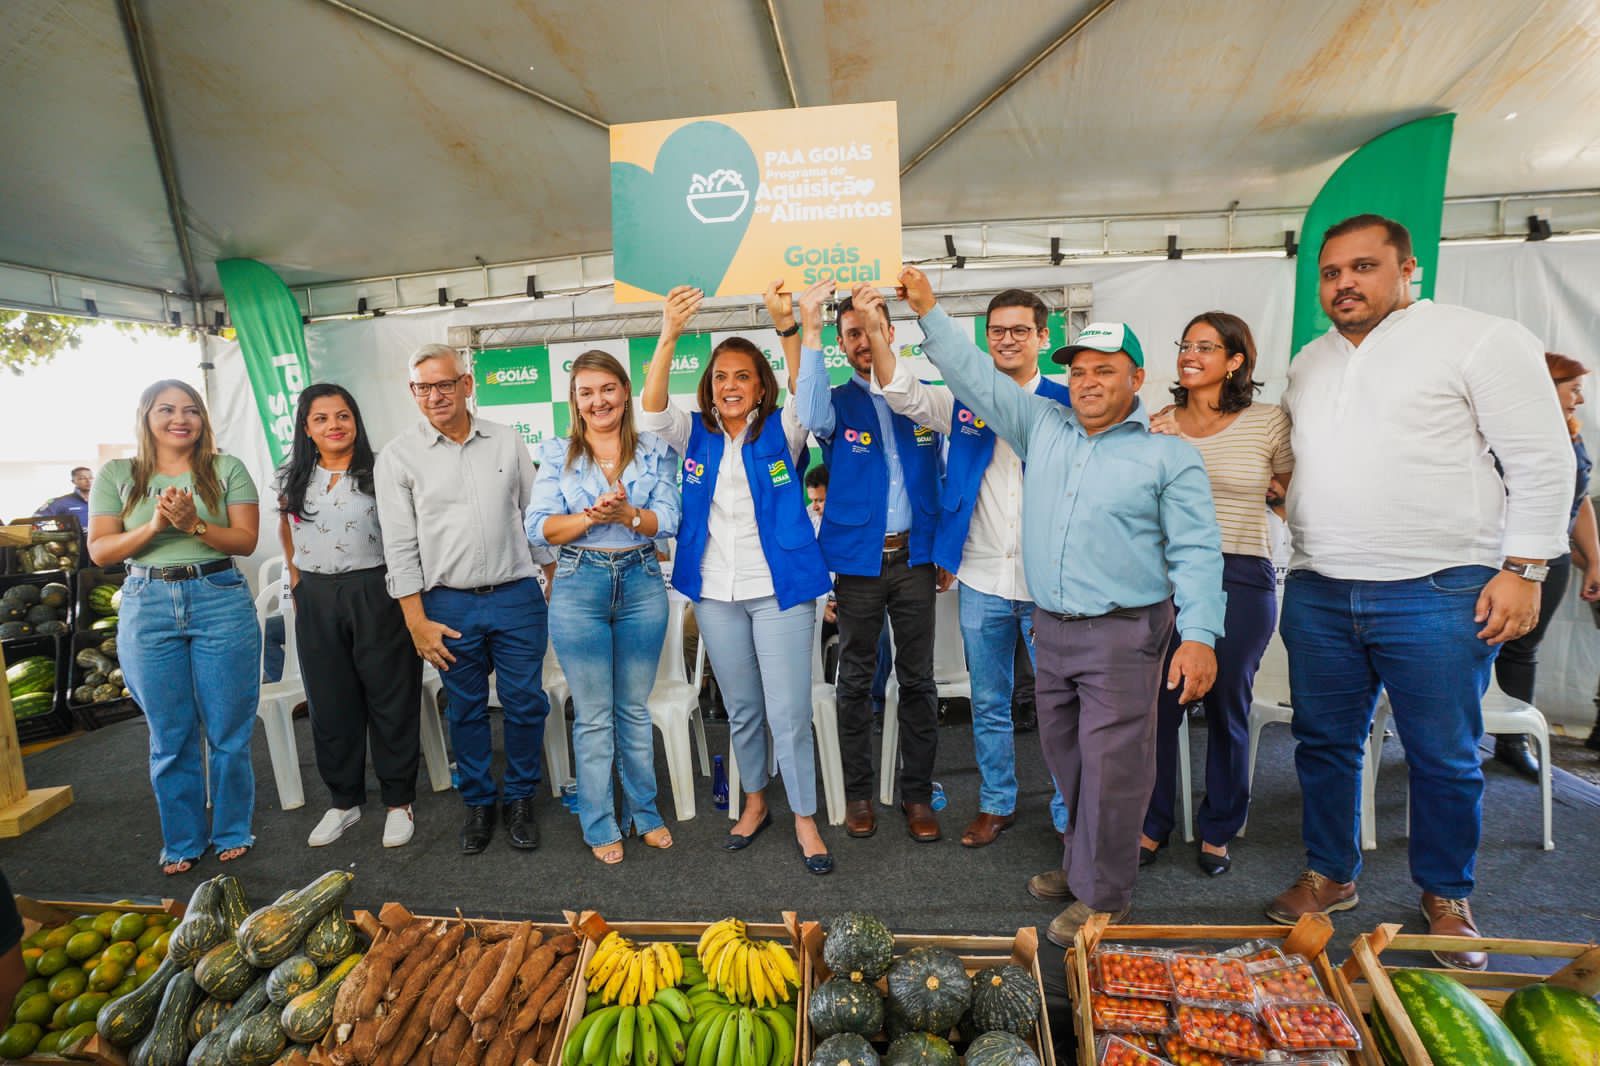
330 147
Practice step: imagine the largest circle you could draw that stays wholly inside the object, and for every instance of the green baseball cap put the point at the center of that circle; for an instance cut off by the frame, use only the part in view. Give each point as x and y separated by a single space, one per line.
1103 337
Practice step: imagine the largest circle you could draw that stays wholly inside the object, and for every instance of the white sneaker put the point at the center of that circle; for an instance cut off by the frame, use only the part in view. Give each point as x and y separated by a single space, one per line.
333 825
397 827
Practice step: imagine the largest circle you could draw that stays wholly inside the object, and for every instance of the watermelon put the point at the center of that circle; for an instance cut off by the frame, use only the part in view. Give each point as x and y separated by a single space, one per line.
100 599
1555 1026
32 705
100 625
37 673
1455 1026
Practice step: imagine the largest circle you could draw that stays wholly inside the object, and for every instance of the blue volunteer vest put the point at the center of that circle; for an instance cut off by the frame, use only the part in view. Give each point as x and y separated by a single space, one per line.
787 540
857 515
971 448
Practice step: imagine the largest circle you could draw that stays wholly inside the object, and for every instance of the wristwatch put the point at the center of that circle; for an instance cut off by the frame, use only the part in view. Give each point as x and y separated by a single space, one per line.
1528 571
200 527
791 331
638 517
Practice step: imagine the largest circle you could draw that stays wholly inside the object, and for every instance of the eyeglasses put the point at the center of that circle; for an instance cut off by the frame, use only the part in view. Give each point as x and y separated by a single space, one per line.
1018 333
1199 347
444 388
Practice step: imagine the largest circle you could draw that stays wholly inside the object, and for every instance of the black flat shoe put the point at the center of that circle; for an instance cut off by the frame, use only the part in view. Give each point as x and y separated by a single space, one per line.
815 864
736 842
1148 855
1515 752
478 829
1215 865
520 824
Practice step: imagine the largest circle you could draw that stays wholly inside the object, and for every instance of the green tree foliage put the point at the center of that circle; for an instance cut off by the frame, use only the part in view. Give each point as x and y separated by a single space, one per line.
28 338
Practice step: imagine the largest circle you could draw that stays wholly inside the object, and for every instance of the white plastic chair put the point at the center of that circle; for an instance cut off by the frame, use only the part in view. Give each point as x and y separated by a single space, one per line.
950 678
278 698
824 731
674 706
1502 714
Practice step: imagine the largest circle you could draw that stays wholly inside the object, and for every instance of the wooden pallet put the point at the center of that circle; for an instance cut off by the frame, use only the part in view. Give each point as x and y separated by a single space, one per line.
1308 937
1365 975
975 952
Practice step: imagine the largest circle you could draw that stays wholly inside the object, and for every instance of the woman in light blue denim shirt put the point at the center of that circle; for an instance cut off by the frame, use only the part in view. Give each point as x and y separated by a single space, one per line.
601 498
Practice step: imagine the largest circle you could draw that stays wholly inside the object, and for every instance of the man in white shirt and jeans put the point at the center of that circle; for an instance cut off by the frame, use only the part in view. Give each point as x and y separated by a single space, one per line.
1414 560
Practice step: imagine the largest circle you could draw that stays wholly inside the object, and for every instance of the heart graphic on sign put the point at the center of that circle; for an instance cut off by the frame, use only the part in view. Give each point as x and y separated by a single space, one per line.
864 186
676 223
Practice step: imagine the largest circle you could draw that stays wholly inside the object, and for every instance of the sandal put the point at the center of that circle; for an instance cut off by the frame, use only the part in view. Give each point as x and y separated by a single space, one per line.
178 866
610 854
233 854
659 832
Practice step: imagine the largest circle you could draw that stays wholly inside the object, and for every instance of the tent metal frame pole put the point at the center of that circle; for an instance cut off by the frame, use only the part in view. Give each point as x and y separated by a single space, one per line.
158 137
1005 86
783 52
461 60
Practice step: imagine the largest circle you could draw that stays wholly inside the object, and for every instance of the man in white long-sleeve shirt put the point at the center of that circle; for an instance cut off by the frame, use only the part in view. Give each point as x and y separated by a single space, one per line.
1414 560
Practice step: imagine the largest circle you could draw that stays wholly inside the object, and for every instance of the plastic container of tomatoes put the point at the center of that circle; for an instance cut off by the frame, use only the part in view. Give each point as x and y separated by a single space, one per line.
1122 1014
1112 1050
1182 1053
1310 1027
1228 1032
1287 980
1211 979
1253 951
1138 973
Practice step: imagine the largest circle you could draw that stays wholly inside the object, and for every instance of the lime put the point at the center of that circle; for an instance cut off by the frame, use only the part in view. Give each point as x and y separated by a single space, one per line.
37 1009
52 962
20 1040
68 984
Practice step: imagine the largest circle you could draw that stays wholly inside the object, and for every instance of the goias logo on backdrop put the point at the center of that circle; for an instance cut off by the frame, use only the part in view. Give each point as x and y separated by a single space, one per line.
695 224
729 202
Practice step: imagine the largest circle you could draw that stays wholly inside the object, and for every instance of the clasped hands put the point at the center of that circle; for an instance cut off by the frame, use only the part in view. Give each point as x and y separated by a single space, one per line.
611 506
175 508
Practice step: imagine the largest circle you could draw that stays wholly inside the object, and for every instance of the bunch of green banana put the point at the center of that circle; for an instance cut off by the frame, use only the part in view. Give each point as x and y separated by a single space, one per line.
728 1035
650 1034
628 973
744 970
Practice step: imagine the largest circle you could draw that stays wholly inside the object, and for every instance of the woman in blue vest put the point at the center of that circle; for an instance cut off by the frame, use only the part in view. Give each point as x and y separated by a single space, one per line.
748 558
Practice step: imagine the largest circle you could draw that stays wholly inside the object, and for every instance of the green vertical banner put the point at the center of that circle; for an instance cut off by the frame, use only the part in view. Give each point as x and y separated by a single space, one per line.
1399 175
267 321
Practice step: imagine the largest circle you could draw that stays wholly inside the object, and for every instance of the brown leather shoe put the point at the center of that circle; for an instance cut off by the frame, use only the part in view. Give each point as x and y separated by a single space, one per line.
1050 886
859 819
1453 917
1312 893
985 828
1064 927
921 822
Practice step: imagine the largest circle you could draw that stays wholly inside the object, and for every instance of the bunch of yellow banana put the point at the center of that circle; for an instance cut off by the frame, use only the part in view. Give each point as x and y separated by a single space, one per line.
624 972
744 970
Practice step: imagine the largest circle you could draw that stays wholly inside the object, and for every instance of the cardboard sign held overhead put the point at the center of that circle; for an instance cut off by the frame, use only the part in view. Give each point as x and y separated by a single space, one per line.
730 203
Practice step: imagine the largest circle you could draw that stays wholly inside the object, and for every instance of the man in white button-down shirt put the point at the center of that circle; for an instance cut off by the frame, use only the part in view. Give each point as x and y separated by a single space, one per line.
1414 559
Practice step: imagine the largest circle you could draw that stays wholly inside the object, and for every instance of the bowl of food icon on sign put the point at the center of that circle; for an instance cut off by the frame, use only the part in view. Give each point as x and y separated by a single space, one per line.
718 197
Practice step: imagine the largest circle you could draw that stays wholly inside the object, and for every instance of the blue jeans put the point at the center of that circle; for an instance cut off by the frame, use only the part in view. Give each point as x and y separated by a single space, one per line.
502 631
989 626
758 652
608 619
191 654
1416 639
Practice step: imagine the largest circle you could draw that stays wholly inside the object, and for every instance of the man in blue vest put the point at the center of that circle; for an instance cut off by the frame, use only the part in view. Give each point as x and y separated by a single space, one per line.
1117 524
877 537
978 540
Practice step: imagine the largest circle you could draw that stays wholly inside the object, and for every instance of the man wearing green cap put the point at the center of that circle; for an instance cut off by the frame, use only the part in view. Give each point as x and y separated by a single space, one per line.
1117 524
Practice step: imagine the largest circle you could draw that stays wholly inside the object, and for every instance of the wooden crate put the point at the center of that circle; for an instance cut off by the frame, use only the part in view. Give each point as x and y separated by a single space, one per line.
1365 976
1308 937
374 930
593 928
975 952
38 913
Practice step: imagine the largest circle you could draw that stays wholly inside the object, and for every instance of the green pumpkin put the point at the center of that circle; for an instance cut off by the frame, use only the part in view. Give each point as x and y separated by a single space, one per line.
930 988
290 978
858 946
1005 998
840 1005
920 1049
999 1048
844 1049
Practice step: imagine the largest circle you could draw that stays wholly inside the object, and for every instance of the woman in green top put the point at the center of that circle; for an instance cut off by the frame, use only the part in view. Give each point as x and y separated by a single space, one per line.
190 650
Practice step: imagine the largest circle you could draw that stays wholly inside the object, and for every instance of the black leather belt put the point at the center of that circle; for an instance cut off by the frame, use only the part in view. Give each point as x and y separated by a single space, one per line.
186 572
1119 612
484 590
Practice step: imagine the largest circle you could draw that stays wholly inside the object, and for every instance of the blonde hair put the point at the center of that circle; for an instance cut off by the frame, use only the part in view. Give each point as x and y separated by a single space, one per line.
627 437
202 460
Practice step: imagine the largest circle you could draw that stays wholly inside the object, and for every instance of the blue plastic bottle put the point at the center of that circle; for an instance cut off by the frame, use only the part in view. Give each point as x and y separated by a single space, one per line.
719 783
938 797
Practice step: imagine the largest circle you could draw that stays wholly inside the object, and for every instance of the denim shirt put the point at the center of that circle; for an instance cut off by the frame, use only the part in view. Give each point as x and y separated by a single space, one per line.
814 398
563 488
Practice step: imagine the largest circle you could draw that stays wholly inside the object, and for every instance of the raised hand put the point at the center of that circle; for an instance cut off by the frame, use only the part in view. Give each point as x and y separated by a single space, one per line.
682 303
915 289
780 305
